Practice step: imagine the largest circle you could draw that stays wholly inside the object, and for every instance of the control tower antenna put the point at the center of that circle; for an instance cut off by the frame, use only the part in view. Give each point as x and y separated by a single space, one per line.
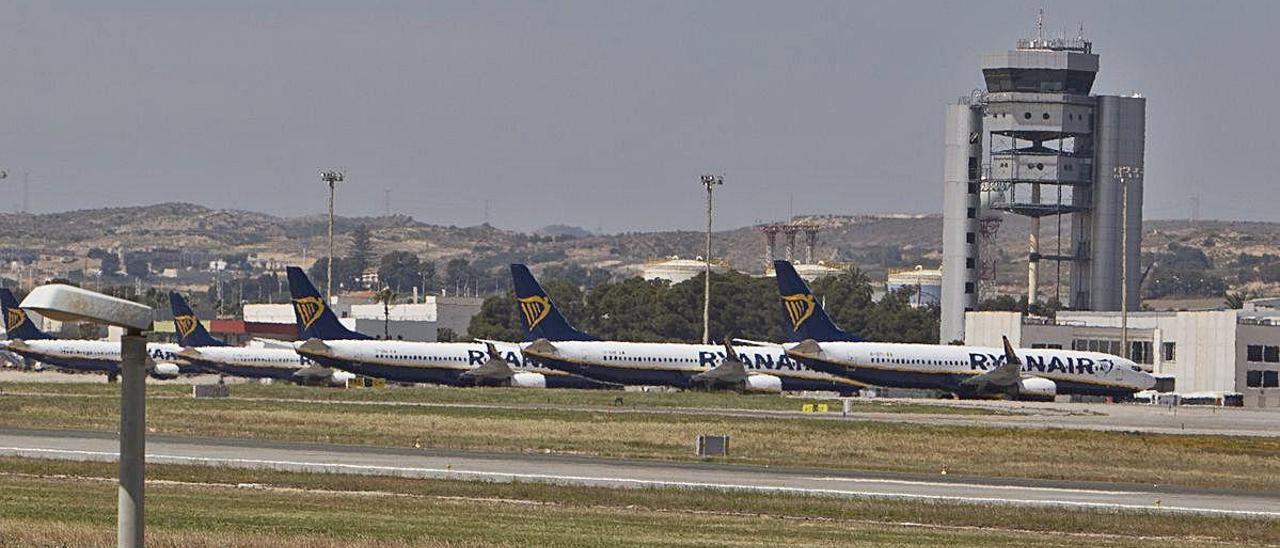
1040 26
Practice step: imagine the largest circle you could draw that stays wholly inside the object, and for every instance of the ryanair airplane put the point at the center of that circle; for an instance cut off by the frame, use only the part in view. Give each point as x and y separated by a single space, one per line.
326 341
965 371
559 346
28 341
202 349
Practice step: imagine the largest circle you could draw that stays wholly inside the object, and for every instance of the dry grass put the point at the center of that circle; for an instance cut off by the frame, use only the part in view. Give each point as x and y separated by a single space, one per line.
62 503
511 397
1205 461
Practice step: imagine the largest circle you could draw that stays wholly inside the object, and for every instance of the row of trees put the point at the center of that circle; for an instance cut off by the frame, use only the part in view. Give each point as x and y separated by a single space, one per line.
743 306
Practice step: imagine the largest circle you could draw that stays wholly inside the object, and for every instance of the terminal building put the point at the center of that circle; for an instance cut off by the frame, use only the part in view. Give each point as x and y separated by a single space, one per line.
1216 351
1035 142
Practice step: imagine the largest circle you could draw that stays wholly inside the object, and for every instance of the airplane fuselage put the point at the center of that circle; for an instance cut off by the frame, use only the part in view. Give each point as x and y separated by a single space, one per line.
676 364
93 356
428 362
251 362
945 367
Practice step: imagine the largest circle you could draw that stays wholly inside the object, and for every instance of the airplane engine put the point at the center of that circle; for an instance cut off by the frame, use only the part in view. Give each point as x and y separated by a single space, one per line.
163 371
340 378
765 384
529 380
1037 388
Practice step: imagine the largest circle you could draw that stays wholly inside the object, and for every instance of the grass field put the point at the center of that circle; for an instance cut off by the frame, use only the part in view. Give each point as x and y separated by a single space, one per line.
507 396
1202 461
63 503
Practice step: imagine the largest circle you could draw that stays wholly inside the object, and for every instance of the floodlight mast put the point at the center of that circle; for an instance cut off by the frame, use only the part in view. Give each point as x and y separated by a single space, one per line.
332 177
1125 174
67 303
710 182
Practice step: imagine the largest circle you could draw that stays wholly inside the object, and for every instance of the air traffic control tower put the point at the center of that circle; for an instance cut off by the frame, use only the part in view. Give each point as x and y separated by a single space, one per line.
1036 143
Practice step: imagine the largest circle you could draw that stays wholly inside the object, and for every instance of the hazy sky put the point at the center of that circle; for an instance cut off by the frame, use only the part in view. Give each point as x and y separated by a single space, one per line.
599 114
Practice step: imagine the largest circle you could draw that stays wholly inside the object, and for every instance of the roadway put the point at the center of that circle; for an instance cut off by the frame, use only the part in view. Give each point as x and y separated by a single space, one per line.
576 470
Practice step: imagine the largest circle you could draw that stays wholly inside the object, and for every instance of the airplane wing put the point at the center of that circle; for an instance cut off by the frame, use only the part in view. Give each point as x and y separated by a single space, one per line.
750 342
1007 374
493 369
274 343
730 371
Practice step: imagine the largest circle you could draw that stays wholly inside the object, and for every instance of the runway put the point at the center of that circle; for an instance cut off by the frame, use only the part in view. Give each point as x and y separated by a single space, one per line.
572 470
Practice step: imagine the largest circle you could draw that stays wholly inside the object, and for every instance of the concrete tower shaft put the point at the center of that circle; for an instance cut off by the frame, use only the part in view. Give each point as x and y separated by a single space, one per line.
961 173
1120 141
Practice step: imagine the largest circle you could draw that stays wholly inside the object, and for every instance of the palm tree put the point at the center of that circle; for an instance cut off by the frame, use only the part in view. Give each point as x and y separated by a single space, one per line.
387 297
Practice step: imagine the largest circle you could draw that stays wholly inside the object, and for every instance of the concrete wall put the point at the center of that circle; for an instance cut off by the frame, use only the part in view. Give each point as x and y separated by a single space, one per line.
987 328
962 166
1207 353
1266 335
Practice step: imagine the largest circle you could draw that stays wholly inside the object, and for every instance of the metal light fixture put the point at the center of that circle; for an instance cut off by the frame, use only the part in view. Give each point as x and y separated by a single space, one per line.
332 177
67 303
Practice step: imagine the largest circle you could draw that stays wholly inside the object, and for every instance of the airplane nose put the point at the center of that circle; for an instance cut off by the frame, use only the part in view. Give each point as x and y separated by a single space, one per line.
1147 381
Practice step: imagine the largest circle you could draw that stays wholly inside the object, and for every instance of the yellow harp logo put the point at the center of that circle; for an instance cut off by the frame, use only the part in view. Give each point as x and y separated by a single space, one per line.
799 308
14 319
186 325
535 309
308 309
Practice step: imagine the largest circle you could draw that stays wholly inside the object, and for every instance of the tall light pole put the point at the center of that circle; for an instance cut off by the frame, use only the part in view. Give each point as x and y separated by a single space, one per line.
332 177
711 182
66 303
1125 174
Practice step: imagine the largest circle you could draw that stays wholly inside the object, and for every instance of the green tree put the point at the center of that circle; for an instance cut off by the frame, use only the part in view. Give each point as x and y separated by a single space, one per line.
360 250
499 318
637 310
401 271
459 276
577 274
346 274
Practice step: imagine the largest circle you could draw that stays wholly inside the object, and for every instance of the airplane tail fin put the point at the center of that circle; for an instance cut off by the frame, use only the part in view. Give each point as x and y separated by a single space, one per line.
16 322
191 332
541 318
315 319
803 315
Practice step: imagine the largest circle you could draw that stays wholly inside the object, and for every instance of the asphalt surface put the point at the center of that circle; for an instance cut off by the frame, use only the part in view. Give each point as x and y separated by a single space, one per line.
573 470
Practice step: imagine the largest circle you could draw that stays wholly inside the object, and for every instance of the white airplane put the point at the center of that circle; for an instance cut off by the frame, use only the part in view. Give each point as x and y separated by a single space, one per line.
26 340
328 342
202 349
966 371
559 345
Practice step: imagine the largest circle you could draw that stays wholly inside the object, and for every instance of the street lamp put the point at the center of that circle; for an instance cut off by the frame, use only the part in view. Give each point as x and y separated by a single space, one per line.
332 177
1125 174
709 181
67 303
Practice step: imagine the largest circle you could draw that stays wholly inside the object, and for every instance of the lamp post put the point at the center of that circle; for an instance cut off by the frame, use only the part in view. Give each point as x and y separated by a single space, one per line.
67 303
332 177
710 182
1125 174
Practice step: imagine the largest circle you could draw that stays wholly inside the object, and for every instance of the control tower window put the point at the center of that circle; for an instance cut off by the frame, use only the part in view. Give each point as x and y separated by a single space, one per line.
1077 82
